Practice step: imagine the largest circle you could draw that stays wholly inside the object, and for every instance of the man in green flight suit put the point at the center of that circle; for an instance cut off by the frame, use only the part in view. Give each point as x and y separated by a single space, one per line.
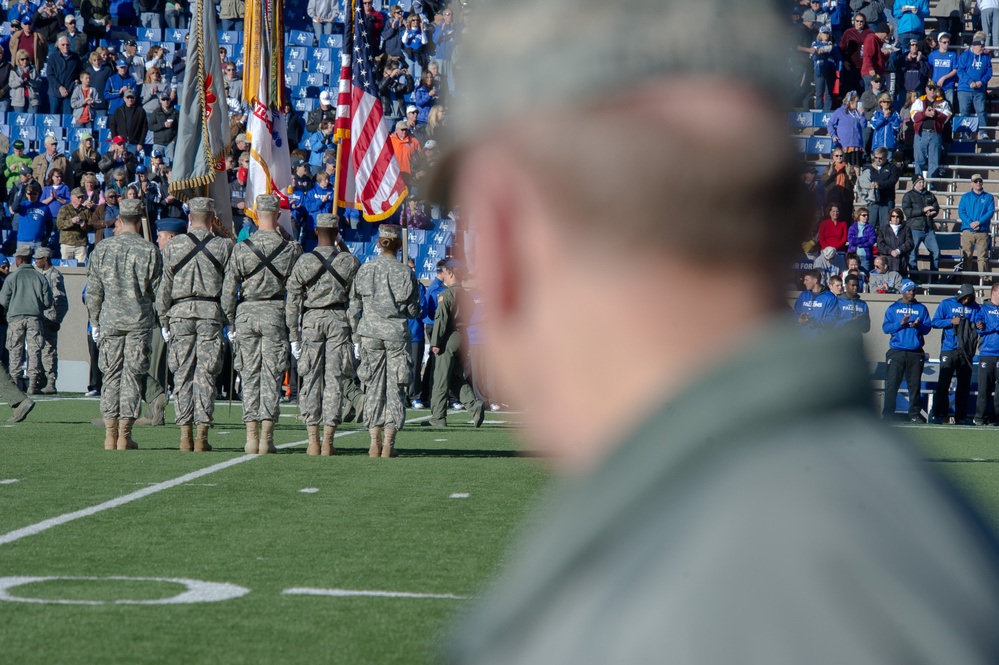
731 497
445 343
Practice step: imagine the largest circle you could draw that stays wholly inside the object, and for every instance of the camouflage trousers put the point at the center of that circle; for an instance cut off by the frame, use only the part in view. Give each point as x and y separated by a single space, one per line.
260 355
384 371
195 358
50 353
324 363
25 334
123 356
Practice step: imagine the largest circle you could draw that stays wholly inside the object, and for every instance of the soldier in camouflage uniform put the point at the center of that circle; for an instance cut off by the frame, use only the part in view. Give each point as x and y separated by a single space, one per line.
189 304
25 296
122 277
258 273
317 295
53 318
446 343
384 296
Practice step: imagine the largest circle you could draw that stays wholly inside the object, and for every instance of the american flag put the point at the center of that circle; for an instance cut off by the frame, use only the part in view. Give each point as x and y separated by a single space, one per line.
370 178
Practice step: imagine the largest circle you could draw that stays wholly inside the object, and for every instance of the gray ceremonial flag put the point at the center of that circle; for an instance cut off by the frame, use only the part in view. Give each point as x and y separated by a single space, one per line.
203 128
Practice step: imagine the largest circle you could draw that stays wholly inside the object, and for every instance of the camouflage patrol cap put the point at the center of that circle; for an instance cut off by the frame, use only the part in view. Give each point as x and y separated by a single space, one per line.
327 220
43 253
389 231
201 204
79 192
268 203
24 251
565 54
130 208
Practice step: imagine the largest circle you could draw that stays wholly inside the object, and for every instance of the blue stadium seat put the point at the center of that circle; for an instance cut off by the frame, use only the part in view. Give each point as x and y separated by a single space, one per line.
142 47
417 237
305 105
21 119
800 119
101 122
335 40
323 67
294 66
963 124
819 146
315 79
296 53
301 38
66 120
299 91
103 136
45 121
25 132
149 35
177 36
959 147
320 53
292 80
228 37
821 119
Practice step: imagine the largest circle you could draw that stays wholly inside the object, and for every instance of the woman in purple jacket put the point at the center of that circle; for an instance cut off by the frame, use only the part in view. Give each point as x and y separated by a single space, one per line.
861 238
846 129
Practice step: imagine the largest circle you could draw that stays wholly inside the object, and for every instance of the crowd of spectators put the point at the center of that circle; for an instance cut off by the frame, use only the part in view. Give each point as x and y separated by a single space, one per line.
893 87
96 77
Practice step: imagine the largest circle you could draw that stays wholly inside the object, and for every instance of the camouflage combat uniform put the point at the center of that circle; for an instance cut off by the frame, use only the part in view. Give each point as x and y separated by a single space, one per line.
327 353
25 296
50 327
260 351
122 277
189 305
384 296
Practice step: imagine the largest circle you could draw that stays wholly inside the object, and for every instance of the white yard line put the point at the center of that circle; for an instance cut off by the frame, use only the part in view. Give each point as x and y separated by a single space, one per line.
45 525
349 593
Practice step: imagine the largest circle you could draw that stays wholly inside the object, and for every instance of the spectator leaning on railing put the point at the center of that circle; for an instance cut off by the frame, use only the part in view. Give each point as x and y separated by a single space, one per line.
976 210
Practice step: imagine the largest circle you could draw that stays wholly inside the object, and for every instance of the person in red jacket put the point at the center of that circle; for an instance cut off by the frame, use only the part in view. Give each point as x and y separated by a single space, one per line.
833 231
850 47
874 56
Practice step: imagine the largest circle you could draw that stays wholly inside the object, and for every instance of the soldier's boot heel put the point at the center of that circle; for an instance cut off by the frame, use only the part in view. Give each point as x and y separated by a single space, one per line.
376 442
187 438
314 448
266 437
252 438
110 433
388 447
327 447
125 441
201 444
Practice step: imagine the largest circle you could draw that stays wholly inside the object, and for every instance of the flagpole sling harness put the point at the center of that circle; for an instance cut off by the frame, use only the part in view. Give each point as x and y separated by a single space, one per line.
265 262
327 268
200 247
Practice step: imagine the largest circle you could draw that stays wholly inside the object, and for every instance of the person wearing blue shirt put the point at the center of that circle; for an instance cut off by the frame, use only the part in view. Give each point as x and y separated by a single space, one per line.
987 325
416 347
944 64
816 309
429 303
976 210
907 321
114 89
950 316
911 15
854 314
320 142
884 124
974 69
34 221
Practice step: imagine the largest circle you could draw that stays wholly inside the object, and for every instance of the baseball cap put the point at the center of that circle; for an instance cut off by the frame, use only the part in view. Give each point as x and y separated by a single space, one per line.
298 162
330 160
121 63
4 261
51 140
130 42
325 97
24 251
26 20
156 153
242 137
941 35
120 140
825 28
977 42
43 253
430 145
412 109
25 170
976 176
907 285
19 144
69 19
165 95
79 191
128 93
242 173
141 168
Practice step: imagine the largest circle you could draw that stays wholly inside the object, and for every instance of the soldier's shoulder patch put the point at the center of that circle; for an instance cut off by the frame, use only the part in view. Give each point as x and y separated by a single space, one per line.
440 298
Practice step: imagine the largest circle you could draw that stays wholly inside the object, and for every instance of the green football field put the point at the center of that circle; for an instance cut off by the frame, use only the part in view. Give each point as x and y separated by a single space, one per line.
157 556
280 558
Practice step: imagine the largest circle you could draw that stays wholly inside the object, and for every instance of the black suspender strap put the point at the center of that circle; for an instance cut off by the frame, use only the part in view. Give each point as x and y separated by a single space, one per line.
200 247
328 268
265 261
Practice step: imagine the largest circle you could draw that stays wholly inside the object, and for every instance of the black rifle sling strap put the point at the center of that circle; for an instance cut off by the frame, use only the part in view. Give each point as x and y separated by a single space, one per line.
265 261
328 268
200 247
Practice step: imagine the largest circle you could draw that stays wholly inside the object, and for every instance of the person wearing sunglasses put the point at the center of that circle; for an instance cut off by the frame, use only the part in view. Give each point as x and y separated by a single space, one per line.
944 64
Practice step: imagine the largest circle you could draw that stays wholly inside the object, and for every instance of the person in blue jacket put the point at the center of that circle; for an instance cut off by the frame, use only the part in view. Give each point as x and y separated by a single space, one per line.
907 321
911 15
987 325
976 210
974 69
416 347
429 303
948 317
317 200
884 125
816 310
944 64
320 142
826 59
114 89
854 314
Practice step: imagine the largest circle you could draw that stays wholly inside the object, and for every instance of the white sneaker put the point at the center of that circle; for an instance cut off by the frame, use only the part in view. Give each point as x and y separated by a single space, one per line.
495 407
417 405
93 393
458 406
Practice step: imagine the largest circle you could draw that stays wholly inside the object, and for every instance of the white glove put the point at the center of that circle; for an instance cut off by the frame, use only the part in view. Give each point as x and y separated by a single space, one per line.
296 350
165 332
95 333
232 336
